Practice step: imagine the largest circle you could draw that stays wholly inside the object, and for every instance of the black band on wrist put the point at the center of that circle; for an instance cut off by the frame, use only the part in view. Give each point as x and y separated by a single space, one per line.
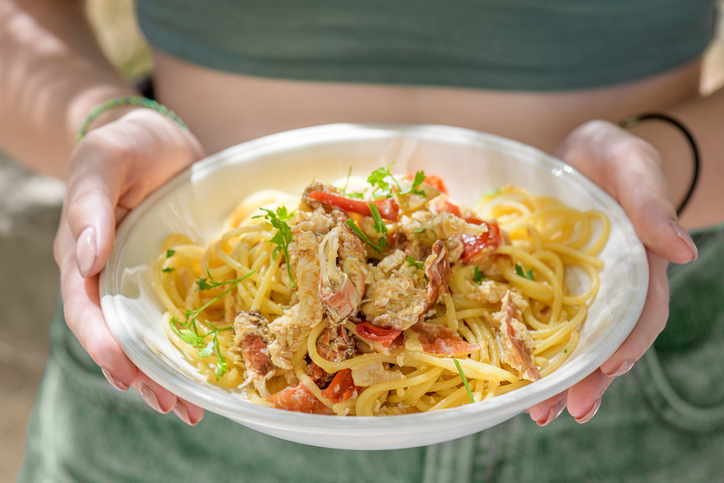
632 121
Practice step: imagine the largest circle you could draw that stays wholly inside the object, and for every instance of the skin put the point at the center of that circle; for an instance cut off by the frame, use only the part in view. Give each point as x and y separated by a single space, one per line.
52 74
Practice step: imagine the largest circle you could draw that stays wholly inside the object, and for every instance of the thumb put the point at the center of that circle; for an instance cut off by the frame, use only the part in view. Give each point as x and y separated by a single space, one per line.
629 169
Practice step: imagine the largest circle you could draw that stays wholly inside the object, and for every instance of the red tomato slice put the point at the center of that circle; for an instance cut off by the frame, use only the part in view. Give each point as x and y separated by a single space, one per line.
473 245
377 334
451 208
388 207
341 388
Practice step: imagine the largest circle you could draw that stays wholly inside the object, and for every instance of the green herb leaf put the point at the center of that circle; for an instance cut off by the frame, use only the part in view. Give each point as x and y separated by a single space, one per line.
527 274
465 380
492 192
208 350
283 236
352 226
190 333
170 253
384 189
414 262
379 225
477 276
168 269
419 230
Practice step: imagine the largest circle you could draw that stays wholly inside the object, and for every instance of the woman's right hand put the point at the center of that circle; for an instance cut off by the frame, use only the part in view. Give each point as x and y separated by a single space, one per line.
112 169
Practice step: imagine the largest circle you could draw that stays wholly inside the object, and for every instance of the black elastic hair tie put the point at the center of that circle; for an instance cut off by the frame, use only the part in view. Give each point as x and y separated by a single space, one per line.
632 121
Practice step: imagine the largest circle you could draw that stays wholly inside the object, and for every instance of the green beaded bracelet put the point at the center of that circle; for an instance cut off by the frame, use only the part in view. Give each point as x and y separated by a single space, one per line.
128 101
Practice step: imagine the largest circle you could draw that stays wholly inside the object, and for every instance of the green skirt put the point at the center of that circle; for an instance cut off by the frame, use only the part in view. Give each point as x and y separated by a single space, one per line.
663 422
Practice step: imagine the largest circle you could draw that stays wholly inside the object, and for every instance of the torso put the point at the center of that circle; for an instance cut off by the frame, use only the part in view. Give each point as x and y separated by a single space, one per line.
265 106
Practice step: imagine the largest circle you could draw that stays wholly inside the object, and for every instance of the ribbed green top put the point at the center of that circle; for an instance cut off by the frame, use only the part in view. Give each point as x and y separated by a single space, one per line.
541 45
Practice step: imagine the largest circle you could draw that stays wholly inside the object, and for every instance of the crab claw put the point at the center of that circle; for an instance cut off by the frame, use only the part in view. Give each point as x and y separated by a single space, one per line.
342 274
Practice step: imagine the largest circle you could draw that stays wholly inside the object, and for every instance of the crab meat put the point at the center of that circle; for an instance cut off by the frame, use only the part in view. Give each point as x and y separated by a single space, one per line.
440 340
300 399
342 274
439 273
251 335
395 297
517 346
335 345
290 329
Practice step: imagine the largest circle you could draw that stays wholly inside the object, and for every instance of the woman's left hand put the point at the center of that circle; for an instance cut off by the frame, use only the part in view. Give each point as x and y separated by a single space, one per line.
630 170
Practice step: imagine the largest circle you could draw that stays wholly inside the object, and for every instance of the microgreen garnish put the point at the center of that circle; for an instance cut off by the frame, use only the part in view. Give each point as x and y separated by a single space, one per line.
384 189
353 226
283 236
492 192
519 271
477 276
189 332
346 184
419 230
414 262
565 351
379 224
170 253
465 380
168 269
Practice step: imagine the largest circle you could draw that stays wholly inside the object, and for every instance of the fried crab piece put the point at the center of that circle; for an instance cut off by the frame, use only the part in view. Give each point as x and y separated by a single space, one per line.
335 344
290 329
423 228
343 269
517 346
396 295
438 272
300 399
252 337
440 340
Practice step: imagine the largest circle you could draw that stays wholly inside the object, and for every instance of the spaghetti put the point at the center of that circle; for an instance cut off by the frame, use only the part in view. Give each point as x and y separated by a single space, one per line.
390 300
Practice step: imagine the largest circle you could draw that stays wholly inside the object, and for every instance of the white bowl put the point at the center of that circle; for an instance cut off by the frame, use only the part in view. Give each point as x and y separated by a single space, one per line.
471 163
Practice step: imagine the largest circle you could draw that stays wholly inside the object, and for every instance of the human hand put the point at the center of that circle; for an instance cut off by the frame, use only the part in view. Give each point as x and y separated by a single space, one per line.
630 170
111 171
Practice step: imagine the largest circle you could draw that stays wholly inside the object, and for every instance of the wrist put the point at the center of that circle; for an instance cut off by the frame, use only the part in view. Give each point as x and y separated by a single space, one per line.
677 149
116 107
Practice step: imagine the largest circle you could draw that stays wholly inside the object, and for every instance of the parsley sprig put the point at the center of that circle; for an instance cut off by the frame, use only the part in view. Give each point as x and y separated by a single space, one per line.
384 189
283 237
189 331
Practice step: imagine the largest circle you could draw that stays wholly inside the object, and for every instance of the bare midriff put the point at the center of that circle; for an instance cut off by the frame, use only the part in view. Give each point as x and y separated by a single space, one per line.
224 109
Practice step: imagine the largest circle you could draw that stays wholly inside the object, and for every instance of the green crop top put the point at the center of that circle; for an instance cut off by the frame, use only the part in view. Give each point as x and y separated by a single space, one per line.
496 44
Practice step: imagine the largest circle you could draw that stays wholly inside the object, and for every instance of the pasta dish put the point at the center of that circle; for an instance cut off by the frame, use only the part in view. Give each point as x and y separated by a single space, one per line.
382 295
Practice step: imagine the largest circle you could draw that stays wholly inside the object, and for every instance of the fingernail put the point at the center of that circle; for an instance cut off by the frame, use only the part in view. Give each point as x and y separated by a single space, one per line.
149 396
182 413
684 235
555 412
591 413
623 368
115 383
86 251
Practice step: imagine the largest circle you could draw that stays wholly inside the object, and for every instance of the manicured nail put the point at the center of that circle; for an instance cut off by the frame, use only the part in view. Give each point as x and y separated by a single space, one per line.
623 368
86 251
684 235
149 396
182 413
555 412
115 383
591 413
